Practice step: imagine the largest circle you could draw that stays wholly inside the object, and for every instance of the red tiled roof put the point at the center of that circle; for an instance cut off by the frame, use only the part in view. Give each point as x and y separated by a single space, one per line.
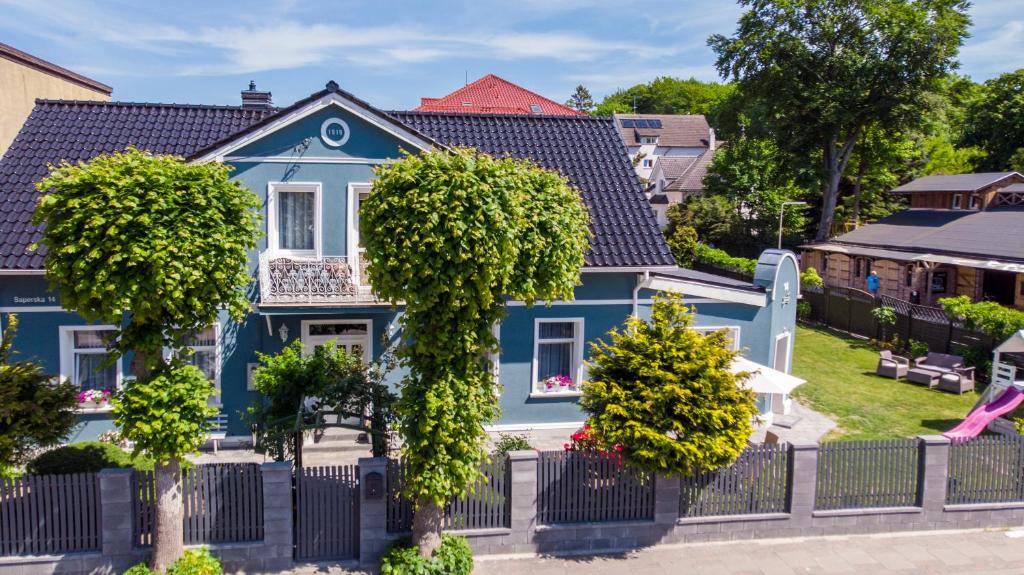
494 95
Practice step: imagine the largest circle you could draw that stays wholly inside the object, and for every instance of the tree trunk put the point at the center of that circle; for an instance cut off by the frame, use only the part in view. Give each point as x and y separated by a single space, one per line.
862 167
426 526
834 159
168 536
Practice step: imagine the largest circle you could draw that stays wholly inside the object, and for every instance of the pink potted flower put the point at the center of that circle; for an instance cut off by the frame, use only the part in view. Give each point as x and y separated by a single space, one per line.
94 398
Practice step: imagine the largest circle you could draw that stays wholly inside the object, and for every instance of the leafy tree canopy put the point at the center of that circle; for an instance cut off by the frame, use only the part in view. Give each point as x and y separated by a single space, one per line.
35 410
452 234
149 236
666 393
667 95
995 122
826 70
581 99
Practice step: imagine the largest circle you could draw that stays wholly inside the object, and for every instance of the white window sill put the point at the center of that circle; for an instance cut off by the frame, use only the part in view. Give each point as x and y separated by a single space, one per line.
553 394
96 409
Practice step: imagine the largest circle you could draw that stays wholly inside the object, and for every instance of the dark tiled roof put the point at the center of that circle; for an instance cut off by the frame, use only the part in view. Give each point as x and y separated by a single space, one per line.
994 233
73 131
692 178
677 130
958 182
584 149
673 166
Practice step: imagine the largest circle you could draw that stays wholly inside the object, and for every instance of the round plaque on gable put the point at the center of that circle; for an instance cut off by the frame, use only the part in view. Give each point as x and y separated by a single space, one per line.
334 132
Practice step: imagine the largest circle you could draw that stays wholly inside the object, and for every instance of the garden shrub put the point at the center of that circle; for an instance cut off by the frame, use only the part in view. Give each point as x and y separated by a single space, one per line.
803 309
917 348
192 562
721 259
809 278
196 562
84 457
453 557
992 319
511 442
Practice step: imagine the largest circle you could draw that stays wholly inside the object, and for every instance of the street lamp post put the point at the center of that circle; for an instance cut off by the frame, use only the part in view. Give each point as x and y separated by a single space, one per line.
782 213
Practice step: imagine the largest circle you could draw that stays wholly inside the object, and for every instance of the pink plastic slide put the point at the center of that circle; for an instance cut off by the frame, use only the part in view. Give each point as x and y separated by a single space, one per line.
979 419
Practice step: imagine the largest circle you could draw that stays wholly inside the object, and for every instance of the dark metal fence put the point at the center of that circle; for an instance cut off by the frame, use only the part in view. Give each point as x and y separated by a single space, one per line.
223 504
574 487
327 512
862 474
986 470
486 506
49 514
756 483
849 310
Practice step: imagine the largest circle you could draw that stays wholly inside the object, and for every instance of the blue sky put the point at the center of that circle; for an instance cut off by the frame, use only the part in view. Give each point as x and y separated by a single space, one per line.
391 53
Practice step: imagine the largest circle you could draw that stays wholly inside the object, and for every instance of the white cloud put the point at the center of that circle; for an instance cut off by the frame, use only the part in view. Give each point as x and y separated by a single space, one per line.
993 51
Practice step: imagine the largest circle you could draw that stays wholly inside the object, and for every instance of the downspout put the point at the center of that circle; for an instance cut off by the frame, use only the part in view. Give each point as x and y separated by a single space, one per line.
641 281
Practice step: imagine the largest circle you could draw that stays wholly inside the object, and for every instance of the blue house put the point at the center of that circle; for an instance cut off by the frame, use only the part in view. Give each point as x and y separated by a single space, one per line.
311 164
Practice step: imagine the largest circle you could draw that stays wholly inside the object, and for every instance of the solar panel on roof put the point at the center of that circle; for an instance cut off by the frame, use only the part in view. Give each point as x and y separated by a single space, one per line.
655 123
629 123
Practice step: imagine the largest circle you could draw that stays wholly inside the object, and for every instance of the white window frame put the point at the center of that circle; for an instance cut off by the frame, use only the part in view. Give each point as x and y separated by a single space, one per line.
647 163
577 352
66 346
367 348
649 140
217 352
734 329
974 202
273 234
958 200
352 237
789 349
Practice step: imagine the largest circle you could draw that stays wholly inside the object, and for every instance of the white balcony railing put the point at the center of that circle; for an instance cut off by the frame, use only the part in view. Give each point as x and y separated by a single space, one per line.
308 280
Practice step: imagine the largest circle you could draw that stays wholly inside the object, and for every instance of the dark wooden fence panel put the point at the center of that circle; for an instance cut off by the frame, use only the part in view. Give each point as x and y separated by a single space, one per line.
49 514
986 470
486 506
756 483
574 487
223 504
327 512
863 474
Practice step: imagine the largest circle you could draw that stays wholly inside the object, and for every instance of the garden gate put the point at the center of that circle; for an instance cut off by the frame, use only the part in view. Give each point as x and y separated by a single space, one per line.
327 512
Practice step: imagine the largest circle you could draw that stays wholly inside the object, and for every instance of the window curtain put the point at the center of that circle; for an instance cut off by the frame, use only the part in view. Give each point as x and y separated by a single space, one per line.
206 361
91 376
295 215
554 359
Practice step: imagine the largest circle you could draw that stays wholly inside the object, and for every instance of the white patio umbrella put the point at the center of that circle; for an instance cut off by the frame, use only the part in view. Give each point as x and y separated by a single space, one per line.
764 379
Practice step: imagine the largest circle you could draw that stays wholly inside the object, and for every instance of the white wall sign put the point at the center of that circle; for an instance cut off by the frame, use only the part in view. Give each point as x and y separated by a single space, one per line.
334 132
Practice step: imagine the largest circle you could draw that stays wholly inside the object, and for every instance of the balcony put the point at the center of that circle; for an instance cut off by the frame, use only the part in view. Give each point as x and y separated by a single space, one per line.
310 281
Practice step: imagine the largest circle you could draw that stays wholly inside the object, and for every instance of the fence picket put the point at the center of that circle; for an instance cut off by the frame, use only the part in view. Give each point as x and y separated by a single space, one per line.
864 474
986 470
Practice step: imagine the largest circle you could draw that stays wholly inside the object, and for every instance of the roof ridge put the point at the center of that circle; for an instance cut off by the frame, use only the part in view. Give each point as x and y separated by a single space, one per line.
500 115
121 103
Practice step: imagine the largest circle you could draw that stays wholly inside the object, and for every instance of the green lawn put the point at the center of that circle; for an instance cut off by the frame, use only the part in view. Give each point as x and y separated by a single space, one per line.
841 382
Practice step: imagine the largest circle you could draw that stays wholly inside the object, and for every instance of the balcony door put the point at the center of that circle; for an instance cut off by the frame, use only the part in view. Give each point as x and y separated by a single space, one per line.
351 335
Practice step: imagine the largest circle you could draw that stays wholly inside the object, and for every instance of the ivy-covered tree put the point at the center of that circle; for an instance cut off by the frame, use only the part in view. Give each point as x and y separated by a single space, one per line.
823 71
451 236
35 410
156 247
667 394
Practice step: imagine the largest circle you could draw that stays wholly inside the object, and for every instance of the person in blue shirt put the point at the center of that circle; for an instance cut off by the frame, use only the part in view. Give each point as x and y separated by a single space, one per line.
873 282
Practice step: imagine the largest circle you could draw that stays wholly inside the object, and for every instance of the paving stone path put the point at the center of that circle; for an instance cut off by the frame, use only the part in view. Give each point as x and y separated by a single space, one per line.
961 552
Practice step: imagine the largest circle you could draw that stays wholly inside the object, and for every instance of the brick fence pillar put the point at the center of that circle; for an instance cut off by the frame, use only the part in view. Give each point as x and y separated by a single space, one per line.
932 473
278 517
116 517
373 511
523 473
666 499
803 481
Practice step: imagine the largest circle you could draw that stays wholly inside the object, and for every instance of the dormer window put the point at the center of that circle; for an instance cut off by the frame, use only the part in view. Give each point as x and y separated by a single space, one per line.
957 201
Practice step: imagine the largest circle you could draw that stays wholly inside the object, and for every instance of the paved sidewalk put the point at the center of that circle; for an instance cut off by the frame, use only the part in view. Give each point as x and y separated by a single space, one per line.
961 552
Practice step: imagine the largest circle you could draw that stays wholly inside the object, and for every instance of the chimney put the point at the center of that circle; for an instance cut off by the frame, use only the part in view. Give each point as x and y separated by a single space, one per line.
255 99
711 139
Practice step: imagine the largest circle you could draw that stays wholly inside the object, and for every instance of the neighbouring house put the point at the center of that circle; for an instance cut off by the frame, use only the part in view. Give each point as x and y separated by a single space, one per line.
963 235
24 77
650 137
311 163
675 179
494 95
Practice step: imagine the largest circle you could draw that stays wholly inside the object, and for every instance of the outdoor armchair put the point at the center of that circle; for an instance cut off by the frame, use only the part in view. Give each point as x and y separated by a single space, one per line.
892 366
961 380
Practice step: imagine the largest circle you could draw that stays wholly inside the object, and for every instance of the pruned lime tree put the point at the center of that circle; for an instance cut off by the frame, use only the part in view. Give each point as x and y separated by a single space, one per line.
156 247
667 394
450 235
